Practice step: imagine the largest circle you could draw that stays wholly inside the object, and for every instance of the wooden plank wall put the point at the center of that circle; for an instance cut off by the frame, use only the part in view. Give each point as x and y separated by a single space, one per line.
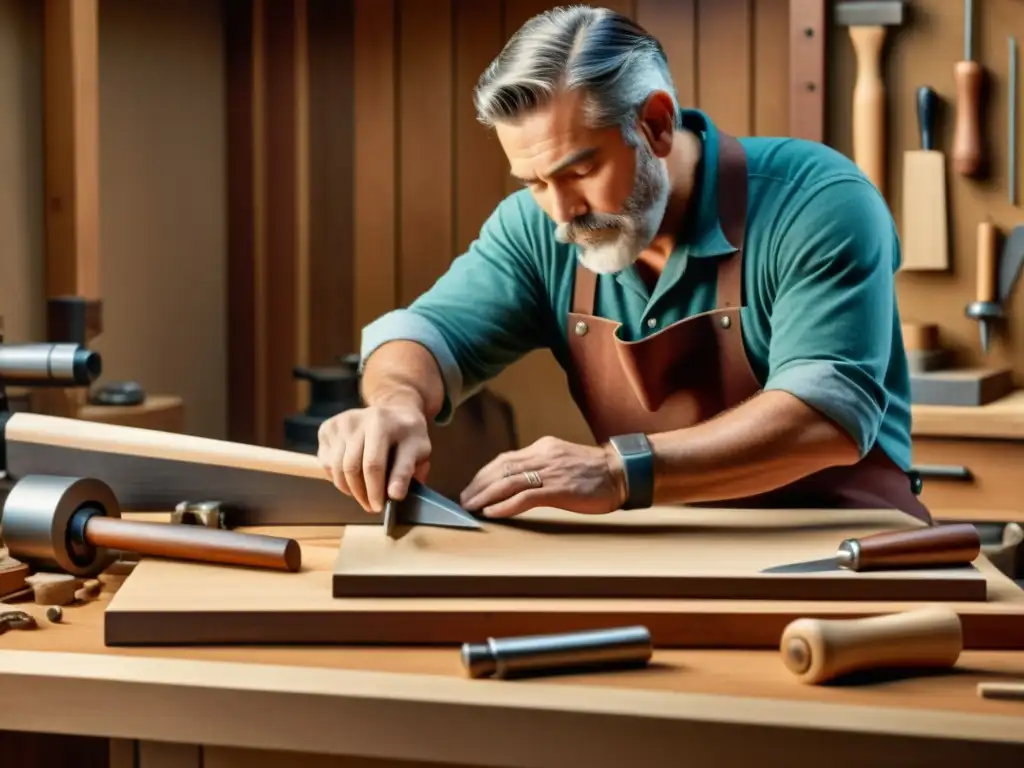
401 176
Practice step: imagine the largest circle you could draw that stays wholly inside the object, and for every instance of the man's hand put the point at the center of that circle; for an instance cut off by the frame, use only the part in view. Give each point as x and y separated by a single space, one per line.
578 478
356 446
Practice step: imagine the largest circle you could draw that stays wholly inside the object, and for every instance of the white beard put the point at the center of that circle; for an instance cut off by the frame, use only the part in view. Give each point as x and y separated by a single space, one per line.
627 234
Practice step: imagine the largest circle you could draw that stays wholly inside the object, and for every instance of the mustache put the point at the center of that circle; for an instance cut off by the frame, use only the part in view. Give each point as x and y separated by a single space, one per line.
590 222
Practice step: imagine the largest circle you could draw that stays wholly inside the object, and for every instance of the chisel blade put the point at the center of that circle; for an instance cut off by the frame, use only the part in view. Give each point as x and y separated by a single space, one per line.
808 566
425 506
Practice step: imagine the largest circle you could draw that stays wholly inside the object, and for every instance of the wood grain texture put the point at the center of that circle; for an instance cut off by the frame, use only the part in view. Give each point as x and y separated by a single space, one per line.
185 604
808 42
725 76
674 23
1003 419
664 552
770 64
425 104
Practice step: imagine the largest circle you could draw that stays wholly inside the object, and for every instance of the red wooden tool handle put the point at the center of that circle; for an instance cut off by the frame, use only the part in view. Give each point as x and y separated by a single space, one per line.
189 542
938 545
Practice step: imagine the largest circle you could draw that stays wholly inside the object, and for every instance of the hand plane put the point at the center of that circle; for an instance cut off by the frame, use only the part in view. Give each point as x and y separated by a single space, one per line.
424 506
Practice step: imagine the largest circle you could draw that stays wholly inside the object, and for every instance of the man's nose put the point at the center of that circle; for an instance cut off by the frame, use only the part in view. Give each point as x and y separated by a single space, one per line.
568 207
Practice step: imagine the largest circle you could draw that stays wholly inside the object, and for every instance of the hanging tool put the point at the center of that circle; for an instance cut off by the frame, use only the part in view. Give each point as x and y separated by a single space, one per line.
935 547
986 307
924 237
1010 263
425 506
968 73
819 650
868 22
1011 102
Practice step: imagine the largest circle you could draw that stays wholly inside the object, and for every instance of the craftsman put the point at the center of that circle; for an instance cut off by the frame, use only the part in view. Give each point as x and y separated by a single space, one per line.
637 218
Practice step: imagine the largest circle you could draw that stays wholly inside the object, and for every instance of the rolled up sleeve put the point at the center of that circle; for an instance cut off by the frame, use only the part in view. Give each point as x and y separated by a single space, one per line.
833 312
485 311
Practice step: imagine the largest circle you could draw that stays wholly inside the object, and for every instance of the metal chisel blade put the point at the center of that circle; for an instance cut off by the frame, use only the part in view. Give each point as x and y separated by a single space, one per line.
809 566
425 506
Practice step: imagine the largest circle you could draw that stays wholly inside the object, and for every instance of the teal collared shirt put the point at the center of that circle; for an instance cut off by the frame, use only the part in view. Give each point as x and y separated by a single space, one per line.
820 318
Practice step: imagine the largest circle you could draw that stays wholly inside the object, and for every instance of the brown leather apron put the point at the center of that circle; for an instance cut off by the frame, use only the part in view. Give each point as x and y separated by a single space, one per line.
696 368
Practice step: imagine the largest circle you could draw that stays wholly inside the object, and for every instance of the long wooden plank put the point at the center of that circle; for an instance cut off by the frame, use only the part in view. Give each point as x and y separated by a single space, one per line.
375 168
725 82
166 603
664 552
674 23
771 68
480 164
426 241
807 45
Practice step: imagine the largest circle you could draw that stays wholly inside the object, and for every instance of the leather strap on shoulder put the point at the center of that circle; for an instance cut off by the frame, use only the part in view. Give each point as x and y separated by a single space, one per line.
583 293
732 214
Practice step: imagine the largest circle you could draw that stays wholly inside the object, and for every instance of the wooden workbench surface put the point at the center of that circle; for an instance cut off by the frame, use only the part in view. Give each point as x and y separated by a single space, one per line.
299 699
1001 419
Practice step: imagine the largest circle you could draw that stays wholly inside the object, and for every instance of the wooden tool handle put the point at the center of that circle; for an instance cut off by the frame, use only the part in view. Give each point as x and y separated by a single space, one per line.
939 545
869 104
988 271
190 542
817 650
967 138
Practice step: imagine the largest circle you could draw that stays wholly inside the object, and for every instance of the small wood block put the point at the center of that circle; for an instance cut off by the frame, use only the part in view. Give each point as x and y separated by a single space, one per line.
12 575
924 234
1001 690
661 552
54 588
920 337
960 386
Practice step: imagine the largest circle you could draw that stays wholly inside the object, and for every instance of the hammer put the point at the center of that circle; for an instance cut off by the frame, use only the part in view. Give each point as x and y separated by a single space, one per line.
72 524
867 22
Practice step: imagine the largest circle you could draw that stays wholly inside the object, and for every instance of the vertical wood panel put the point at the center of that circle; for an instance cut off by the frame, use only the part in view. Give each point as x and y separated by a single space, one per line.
375 165
71 130
426 107
674 23
285 210
480 163
807 42
771 68
331 129
244 340
724 72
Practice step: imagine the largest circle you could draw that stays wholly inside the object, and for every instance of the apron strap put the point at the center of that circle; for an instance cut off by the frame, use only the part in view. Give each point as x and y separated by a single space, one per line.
583 293
732 214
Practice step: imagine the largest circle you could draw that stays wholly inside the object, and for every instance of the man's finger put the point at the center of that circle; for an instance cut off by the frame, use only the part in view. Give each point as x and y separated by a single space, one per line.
501 467
497 491
352 468
519 503
375 462
407 456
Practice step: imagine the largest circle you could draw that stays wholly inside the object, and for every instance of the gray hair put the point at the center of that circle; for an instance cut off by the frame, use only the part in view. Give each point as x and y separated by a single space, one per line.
615 62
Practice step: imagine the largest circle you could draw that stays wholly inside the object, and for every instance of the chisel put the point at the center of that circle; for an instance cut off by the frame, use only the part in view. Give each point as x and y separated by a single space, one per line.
968 74
986 307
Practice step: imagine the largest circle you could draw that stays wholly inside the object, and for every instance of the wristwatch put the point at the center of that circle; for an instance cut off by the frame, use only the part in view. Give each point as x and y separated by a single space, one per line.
638 459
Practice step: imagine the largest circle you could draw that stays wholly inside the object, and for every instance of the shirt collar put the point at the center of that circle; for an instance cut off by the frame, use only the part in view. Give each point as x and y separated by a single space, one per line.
707 238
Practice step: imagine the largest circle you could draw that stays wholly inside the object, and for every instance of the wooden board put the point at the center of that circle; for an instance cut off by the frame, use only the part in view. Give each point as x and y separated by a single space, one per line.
164 603
677 552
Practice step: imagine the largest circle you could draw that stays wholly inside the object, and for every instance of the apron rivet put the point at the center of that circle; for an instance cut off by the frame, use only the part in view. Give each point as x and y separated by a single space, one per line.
581 328
726 321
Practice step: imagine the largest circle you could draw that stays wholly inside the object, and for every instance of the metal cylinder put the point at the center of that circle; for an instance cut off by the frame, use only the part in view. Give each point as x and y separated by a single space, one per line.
532 654
48 364
36 518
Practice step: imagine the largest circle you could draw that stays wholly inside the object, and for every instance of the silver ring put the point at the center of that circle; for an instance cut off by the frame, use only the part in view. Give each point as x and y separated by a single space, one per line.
533 478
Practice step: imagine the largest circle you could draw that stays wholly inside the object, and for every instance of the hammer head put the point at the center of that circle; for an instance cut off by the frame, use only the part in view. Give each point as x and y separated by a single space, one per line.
860 13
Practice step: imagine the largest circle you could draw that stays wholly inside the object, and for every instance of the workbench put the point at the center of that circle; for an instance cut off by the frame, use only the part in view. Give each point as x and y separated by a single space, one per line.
969 459
363 706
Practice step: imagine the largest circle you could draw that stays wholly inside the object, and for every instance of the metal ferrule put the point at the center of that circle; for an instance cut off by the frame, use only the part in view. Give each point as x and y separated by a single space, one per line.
848 555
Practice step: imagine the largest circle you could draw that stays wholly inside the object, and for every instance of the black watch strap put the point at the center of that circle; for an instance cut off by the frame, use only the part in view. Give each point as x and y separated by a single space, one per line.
638 460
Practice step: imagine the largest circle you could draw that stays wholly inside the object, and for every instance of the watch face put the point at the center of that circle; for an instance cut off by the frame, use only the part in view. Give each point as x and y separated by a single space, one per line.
636 443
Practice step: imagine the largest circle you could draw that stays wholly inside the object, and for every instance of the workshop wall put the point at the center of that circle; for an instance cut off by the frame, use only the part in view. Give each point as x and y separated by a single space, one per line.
162 201
923 52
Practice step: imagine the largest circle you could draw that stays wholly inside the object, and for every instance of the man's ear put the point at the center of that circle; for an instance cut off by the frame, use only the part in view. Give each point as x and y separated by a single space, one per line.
658 122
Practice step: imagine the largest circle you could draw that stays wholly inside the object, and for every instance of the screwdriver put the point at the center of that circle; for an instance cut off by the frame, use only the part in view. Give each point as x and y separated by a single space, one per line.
968 74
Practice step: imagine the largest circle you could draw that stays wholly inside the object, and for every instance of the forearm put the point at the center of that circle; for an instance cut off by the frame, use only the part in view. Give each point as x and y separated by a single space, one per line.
769 441
403 372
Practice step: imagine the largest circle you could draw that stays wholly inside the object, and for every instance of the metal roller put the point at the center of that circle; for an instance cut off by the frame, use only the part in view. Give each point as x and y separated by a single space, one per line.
41 514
